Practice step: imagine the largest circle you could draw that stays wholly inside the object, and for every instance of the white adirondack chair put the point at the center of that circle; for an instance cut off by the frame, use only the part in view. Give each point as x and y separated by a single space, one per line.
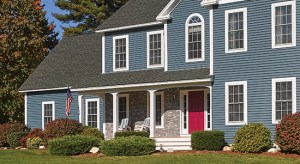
146 124
124 125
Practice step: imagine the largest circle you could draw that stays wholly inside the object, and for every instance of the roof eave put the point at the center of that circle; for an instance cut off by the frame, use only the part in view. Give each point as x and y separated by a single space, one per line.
129 27
165 14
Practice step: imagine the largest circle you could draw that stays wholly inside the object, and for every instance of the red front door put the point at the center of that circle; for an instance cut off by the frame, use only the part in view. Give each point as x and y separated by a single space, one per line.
196 111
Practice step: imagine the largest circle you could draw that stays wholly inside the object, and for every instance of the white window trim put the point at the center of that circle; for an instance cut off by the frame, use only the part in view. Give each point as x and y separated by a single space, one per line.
127 53
98 111
161 32
274 5
162 109
43 111
227 122
127 103
227 12
187 38
274 81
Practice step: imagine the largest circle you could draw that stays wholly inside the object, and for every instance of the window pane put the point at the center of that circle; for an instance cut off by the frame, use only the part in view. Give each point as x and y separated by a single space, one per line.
195 42
235 30
283 24
155 49
120 53
236 103
283 99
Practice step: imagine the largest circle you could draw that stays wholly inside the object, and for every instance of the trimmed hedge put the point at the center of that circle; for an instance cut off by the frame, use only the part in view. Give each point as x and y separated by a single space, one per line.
132 133
13 139
8 128
252 138
72 145
288 133
61 127
33 143
128 146
37 132
93 132
208 140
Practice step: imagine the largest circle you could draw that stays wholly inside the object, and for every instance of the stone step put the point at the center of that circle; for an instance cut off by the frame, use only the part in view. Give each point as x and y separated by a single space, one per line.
185 139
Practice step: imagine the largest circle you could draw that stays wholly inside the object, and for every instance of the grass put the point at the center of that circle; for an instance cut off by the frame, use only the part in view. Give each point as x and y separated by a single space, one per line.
34 156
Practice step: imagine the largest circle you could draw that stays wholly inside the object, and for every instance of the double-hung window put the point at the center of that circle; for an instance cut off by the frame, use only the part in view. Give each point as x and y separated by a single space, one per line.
236 103
155 49
92 113
48 112
123 107
120 53
159 105
283 97
194 38
283 24
236 30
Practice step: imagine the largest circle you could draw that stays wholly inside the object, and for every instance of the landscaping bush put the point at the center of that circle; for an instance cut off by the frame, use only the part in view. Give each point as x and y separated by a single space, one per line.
34 133
207 140
13 139
62 127
252 138
128 146
94 132
72 145
288 133
33 143
132 133
8 128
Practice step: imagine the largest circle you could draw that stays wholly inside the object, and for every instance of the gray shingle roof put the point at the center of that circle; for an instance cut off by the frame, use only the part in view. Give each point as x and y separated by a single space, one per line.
135 12
76 61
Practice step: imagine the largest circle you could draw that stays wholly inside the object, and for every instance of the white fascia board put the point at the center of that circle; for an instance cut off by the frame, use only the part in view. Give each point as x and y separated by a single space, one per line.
215 2
165 13
143 85
129 27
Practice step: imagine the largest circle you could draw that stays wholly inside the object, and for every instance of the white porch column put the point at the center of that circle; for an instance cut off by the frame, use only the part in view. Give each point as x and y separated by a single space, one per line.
152 113
115 113
81 109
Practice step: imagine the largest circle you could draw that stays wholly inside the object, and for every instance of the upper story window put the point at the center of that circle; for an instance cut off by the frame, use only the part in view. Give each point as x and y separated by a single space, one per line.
194 38
236 30
283 24
236 103
155 49
120 53
48 112
283 97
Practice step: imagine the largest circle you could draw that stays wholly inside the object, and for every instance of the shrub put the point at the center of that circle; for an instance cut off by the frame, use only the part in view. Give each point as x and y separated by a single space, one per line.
252 138
33 143
72 145
13 139
288 133
94 132
34 133
62 127
132 133
8 128
128 146
207 140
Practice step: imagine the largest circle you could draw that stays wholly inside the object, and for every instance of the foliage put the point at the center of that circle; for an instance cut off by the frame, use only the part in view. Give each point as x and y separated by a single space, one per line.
132 133
33 143
25 39
252 138
93 132
9 128
37 132
207 140
72 145
288 133
86 14
128 146
13 139
61 127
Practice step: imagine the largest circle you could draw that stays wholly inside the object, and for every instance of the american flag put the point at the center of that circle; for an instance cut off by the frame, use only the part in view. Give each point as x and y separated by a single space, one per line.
68 101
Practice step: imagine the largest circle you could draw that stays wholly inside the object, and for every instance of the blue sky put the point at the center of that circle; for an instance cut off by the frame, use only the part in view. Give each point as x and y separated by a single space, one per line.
50 8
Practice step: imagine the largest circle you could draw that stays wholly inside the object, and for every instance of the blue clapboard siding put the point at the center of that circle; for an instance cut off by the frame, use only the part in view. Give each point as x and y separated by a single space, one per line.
176 35
257 66
34 106
101 107
137 47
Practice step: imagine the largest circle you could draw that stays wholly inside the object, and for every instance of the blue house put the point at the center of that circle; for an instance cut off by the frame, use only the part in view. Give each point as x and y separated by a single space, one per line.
188 65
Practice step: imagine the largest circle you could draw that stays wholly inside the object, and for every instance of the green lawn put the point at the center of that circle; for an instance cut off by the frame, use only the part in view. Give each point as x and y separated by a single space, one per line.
32 156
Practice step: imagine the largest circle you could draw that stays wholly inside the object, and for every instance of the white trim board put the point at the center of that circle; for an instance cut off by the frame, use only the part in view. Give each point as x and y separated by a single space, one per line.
103 54
227 84
97 100
129 27
165 13
25 109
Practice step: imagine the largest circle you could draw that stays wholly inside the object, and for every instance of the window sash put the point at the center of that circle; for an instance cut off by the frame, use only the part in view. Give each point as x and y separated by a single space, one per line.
236 30
155 49
122 108
92 114
283 99
236 103
194 42
120 53
159 110
48 113
283 24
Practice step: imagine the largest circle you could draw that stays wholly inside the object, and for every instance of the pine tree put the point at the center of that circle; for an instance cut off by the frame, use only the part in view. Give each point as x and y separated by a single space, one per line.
25 39
86 14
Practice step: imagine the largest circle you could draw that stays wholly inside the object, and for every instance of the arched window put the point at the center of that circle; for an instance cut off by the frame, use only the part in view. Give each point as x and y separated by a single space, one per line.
194 38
